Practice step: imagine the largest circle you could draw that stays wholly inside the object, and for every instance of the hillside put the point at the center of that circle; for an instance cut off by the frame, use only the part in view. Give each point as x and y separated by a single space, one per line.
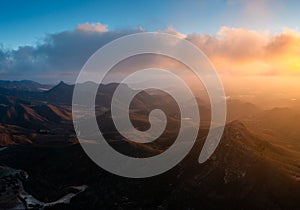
255 166
243 169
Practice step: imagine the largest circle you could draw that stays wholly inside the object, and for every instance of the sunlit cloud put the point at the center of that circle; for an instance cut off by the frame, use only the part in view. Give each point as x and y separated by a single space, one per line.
171 30
247 52
233 51
92 27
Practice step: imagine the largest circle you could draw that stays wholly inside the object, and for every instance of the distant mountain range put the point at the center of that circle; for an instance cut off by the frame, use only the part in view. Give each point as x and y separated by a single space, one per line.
24 85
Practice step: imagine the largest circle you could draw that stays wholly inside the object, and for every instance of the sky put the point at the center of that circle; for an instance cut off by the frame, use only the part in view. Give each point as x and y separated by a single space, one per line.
48 41
26 22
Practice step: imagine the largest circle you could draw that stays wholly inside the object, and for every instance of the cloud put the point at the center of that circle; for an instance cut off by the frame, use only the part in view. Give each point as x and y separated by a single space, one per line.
59 57
234 51
92 27
247 52
171 30
230 43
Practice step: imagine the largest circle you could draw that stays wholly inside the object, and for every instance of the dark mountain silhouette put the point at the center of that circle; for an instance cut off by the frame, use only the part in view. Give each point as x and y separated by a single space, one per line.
24 85
60 94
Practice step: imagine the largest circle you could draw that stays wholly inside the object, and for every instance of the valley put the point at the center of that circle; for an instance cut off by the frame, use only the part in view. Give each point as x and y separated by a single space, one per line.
255 160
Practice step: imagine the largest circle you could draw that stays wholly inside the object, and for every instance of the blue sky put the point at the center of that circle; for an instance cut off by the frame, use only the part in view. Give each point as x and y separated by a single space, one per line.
26 22
49 41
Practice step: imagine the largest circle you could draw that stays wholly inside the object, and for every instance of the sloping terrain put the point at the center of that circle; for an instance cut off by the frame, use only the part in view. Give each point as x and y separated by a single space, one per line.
256 165
30 114
278 125
10 135
244 173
